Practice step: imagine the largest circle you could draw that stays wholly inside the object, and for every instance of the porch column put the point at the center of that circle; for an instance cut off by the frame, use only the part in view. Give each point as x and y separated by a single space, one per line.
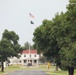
26 61
22 61
32 62
37 61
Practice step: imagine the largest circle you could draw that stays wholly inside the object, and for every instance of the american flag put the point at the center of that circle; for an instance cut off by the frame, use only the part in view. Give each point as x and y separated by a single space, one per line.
31 15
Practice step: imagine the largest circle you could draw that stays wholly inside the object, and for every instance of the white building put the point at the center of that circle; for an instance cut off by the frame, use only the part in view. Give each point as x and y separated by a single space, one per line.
27 56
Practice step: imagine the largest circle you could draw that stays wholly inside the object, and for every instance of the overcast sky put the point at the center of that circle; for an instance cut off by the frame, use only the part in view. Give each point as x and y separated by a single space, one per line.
14 15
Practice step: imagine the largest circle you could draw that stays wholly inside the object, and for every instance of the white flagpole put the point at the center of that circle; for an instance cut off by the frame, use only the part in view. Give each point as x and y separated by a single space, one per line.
29 49
29 43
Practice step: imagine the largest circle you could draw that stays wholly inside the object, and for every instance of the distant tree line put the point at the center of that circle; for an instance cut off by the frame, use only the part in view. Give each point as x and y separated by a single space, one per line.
27 45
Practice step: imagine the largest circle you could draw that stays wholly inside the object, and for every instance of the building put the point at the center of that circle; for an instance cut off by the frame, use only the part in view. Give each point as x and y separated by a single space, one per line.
27 56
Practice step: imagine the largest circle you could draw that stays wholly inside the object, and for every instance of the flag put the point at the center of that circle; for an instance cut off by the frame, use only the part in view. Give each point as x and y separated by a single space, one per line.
31 15
31 22
32 18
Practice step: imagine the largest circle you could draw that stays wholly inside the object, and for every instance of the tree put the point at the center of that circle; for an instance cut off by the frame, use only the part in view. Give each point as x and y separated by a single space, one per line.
57 39
43 59
46 42
68 49
5 51
9 46
27 45
65 33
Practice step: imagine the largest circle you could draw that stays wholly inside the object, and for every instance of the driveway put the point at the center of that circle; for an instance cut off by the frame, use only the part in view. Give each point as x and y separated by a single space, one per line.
29 72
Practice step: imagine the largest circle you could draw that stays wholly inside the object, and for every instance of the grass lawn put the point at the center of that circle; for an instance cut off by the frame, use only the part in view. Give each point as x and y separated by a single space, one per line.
51 71
59 73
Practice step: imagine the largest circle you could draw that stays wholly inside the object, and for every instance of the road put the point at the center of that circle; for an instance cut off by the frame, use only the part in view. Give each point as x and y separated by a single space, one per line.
27 72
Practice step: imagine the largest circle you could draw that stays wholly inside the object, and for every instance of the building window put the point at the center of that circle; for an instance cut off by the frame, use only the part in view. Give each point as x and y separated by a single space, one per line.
34 55
24 61
20 61
24 55
30 55
35 61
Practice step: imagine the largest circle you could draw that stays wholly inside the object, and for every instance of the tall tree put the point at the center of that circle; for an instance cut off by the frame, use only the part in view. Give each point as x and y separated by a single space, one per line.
68 49
46 42
9 46
57 38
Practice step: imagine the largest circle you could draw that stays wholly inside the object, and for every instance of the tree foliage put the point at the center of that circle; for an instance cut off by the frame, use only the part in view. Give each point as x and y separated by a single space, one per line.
72 1
27 45
57 38
9 46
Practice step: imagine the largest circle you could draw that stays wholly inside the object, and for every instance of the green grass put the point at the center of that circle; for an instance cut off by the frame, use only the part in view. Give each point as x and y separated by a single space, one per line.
59 73
51 71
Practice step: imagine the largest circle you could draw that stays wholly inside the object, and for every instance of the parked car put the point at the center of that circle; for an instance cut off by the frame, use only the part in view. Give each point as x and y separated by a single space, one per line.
29 64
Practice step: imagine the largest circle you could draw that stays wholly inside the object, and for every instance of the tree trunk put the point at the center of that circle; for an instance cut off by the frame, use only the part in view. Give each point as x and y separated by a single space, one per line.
2 66
71 71
56 67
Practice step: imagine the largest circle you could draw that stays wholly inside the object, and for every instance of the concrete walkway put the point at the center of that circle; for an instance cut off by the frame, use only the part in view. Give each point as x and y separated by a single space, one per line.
29 72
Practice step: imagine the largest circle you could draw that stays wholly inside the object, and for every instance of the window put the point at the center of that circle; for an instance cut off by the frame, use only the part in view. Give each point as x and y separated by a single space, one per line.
30 55
35 55
24 61
35 61
24 55
19 61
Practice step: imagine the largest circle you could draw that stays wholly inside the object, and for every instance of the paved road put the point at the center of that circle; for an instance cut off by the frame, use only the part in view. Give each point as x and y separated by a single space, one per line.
30 72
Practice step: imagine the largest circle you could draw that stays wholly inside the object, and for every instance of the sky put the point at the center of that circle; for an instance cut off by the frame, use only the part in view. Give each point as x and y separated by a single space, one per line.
14 16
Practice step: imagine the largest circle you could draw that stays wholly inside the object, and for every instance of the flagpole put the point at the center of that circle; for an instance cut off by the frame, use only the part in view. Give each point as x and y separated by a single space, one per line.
31 22
29 49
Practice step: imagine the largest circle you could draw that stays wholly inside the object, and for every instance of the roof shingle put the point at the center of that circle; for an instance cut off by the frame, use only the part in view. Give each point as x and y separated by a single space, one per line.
31 51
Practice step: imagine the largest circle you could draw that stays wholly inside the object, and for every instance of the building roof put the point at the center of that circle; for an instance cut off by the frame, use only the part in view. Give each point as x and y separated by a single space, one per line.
31 51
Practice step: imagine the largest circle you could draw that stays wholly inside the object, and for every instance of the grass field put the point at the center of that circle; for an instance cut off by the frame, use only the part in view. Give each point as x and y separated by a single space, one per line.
51 71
